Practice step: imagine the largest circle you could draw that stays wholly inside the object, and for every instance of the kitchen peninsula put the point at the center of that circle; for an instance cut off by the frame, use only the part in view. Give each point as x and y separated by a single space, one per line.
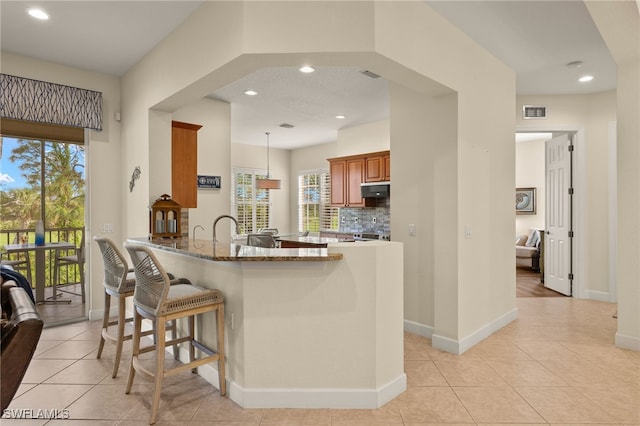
305 327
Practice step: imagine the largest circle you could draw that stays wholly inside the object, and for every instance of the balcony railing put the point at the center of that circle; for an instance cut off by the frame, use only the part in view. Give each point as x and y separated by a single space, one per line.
68 275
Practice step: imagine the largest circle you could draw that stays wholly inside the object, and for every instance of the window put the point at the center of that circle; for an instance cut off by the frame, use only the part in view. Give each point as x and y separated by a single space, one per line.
314 209
34 171
252 206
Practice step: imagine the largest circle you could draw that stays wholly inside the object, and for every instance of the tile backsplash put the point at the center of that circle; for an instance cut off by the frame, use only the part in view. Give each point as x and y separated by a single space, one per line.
370 220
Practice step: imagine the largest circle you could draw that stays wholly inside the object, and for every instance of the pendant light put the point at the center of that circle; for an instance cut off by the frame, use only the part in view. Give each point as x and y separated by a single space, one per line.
267 183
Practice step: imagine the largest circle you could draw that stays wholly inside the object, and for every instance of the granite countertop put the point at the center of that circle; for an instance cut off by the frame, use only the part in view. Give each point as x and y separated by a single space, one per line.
233 252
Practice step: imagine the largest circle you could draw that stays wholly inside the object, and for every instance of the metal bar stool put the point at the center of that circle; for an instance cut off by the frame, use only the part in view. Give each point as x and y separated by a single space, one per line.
157 299
119 281
69 260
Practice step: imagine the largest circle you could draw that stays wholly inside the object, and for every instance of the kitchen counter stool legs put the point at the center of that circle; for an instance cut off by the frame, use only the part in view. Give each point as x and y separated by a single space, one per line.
119 282
159 299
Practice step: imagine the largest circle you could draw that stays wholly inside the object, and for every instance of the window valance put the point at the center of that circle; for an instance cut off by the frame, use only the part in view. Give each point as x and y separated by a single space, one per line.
43 102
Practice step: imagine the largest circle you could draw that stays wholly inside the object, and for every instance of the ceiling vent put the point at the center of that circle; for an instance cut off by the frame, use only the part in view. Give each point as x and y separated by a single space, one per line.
530 112
286 126
369 74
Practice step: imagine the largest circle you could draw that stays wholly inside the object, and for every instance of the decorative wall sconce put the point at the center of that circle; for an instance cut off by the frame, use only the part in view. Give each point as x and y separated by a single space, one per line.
134 177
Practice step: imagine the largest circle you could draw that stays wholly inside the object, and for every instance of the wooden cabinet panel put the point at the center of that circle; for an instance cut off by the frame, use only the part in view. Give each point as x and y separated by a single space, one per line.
300 244
386 162
346 177
355 177
184 163
374 169
338 171
378 167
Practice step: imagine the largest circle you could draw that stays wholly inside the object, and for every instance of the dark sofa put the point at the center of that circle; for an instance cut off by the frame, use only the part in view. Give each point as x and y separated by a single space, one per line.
21 329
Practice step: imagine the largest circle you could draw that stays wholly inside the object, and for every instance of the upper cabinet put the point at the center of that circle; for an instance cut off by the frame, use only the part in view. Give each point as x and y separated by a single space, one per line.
378 167
348 173
184 163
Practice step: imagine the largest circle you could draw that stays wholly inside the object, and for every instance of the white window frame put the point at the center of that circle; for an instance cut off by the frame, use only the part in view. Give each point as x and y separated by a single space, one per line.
254 201
327 215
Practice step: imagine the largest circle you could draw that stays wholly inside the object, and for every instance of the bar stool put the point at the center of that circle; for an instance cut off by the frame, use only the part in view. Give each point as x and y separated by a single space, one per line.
119 281
156 299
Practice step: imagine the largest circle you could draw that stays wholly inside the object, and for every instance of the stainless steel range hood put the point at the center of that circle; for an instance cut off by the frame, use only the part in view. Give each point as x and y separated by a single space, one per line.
375 190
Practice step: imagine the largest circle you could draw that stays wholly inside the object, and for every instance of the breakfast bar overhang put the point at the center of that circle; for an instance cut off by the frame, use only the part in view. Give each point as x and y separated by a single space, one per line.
305 328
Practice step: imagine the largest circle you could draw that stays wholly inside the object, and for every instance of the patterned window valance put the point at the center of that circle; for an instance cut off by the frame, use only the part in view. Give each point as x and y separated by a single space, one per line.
43 102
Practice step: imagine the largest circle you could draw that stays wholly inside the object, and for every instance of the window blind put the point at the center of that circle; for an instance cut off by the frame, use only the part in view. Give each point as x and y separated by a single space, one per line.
252 206
314 210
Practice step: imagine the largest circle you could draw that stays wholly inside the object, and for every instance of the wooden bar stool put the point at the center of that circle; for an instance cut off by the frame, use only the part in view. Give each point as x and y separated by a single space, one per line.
157 299
119 281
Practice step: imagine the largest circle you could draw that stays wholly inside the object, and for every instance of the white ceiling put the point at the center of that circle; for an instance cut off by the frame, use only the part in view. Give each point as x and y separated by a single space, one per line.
536 38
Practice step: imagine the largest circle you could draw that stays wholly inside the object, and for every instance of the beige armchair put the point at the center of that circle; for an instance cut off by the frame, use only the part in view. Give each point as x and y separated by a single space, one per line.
529 249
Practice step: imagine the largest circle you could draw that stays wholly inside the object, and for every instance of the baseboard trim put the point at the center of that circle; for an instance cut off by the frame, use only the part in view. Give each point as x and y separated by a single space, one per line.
98 314
318 398
628 342
303 397
600 296
419 329
458 347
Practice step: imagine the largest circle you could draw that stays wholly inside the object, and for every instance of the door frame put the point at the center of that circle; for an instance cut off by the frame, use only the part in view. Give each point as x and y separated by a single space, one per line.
578 212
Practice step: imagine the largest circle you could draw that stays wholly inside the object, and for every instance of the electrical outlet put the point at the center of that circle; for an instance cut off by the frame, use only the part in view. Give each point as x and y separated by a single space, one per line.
107 228
355 220
374 219
343 219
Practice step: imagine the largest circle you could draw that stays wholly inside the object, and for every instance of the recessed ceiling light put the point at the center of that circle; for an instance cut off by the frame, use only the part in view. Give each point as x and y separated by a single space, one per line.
38 14
341 117
585 78
307 69
250 92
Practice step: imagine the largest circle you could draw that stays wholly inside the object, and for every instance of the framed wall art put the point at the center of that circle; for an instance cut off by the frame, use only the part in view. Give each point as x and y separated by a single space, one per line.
525 201
209 182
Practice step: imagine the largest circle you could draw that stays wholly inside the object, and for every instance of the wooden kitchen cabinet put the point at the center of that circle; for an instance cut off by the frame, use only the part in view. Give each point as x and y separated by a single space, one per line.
348 173
378 167
338 172
184 163
346 176
387 167
355 175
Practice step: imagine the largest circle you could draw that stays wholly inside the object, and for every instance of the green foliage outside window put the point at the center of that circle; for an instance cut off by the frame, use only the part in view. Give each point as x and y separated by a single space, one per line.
63 183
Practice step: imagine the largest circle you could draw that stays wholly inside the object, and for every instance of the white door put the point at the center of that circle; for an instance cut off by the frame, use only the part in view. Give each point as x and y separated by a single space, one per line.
557 245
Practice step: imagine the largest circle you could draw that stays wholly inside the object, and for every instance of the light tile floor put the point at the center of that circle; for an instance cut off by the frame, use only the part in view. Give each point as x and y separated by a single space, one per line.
556 365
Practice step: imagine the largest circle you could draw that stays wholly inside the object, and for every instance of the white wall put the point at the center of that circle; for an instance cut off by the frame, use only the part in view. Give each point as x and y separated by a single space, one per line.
474 172
619 25
371 137
106 180
530 166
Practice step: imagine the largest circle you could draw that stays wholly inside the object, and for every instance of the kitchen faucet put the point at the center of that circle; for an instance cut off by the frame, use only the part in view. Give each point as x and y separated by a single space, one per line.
215 222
